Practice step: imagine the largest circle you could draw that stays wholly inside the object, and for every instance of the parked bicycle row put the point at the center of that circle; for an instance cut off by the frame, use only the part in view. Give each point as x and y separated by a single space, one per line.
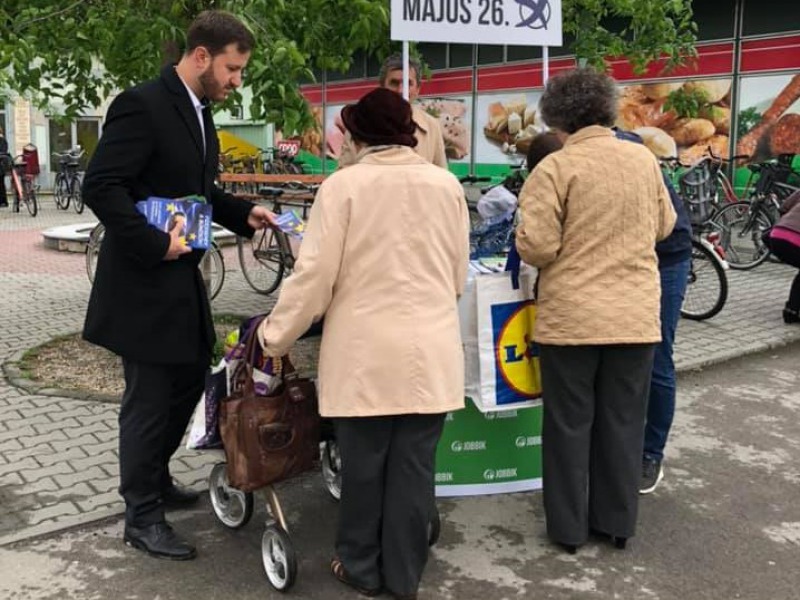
736 223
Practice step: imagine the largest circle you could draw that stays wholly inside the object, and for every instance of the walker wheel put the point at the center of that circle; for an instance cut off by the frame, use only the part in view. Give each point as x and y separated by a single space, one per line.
279 557
231 506
332 468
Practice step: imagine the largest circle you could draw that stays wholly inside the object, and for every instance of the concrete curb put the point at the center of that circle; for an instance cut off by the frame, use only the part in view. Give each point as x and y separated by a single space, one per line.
80 520
16 378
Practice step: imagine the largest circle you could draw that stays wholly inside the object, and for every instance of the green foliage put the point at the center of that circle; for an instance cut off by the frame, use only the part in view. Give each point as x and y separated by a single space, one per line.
691 103
641 30
74 53
748 118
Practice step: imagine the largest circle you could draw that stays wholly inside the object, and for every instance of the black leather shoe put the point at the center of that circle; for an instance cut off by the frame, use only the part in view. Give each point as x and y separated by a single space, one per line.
176 496
159 540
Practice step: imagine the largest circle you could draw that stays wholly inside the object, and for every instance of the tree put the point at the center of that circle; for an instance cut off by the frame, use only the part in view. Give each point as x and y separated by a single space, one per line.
77 52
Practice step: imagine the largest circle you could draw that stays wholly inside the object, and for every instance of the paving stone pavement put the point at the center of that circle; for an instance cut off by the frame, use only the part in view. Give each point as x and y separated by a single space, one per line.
58 456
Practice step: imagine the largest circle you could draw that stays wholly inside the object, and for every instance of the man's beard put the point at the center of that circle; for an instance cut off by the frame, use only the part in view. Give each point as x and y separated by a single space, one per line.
212 90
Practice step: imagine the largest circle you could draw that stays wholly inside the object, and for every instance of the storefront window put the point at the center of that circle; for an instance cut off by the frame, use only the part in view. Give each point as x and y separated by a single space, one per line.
769 17
715 20
82 132
460 55
489 55
435 55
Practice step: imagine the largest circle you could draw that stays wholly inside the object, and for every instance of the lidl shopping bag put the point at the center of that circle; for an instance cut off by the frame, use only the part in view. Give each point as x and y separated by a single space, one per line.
508 358
204 432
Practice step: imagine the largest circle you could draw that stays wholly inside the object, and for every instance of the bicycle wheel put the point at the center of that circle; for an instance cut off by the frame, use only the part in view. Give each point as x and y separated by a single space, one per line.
263 260
213 268
93 250
741 226
61 193
76 195
707 289
29 197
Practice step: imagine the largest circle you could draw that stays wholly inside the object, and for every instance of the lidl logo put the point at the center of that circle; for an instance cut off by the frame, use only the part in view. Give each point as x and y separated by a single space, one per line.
516 354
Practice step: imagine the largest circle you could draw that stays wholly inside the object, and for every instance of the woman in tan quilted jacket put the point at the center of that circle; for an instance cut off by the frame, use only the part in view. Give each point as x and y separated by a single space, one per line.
591 214
384 258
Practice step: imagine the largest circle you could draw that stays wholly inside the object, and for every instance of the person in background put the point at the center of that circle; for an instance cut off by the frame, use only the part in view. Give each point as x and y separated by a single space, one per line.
5 164
674 263
391 364
783 240
542 145
591 214
148 303
430 143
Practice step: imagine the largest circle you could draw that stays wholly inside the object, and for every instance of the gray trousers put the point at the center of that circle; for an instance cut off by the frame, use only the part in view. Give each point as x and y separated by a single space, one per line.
388 468
595 400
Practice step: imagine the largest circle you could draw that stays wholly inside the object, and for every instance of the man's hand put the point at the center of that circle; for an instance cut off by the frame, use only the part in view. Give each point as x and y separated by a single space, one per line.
177 242
260 217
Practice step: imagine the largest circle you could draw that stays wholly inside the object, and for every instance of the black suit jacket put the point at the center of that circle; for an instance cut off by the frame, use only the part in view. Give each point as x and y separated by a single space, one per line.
142 307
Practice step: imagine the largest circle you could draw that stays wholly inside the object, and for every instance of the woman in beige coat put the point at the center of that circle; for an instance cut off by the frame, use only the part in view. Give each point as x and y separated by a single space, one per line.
591 215
384 259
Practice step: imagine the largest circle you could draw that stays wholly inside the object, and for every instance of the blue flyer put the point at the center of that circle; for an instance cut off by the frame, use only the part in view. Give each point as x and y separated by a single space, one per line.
291 224
192 213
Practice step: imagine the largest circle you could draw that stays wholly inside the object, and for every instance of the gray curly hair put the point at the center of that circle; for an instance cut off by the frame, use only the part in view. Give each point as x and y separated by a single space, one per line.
579 98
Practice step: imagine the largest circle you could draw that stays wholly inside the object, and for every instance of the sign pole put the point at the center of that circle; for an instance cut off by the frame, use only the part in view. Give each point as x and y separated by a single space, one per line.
545 65
405 69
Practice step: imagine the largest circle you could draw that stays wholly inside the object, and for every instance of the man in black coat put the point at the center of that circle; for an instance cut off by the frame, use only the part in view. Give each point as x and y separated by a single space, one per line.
148 303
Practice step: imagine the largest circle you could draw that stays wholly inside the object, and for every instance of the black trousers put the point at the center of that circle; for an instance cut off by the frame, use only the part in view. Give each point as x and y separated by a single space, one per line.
594 400
156 408
388 466
3 194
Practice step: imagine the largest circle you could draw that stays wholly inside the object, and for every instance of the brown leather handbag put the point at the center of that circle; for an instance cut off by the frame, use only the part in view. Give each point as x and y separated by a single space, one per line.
268 438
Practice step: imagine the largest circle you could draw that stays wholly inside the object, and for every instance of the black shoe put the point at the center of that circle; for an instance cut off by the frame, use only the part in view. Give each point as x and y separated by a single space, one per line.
791 316
568 548
618 541
159 540
652 474
3 204
176 496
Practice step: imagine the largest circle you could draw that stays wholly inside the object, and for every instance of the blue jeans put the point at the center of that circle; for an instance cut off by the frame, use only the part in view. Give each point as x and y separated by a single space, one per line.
661 404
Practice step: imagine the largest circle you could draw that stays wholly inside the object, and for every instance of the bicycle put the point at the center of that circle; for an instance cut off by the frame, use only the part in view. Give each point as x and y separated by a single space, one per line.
69 180
212 265
281 160
707 286
743 223
268 256
22 185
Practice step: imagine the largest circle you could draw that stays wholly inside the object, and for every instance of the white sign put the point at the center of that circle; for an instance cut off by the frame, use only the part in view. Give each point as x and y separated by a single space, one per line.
511 22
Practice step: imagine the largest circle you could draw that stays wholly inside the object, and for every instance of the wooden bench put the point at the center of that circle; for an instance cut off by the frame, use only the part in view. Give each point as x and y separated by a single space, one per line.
270 180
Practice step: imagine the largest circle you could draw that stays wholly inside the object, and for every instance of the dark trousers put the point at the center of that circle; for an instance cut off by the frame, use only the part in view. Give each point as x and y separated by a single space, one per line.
3 194
661 403
156 408
594 400
387 499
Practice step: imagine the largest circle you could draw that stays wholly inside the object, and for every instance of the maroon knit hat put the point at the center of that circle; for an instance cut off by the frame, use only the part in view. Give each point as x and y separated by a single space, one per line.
381 117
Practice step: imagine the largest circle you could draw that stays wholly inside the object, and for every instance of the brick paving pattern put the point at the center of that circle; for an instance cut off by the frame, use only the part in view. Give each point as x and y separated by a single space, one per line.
58 456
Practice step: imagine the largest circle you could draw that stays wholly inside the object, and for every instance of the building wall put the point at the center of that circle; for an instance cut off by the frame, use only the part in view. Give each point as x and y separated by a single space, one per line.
747 51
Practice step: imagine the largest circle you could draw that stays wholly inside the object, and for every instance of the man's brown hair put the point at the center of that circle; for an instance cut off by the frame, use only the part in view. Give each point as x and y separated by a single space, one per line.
215 29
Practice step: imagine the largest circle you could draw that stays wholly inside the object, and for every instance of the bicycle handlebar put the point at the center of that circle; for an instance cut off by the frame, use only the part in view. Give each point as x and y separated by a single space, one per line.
718 158
473 179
